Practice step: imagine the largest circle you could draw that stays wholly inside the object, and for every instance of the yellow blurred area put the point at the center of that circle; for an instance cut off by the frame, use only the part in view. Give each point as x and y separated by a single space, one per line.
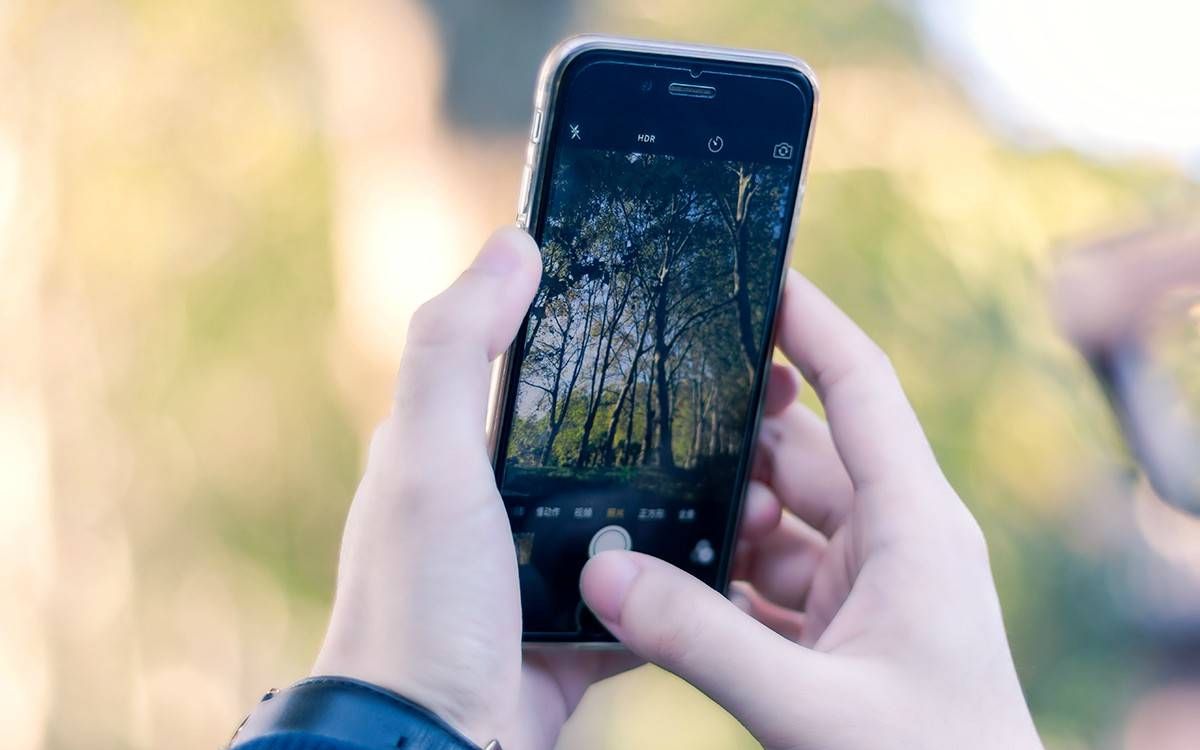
216 218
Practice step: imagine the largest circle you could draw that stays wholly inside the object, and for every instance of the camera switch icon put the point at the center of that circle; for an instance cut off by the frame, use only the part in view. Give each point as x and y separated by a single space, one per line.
783 151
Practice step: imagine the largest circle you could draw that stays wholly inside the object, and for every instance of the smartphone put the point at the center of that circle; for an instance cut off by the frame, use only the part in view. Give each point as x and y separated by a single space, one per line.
662 185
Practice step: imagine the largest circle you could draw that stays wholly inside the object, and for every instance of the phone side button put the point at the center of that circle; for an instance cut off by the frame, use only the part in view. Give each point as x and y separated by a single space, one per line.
526 187
609 537
535 130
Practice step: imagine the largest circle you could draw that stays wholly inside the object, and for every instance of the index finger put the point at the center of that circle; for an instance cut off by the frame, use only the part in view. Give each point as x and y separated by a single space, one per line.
874 428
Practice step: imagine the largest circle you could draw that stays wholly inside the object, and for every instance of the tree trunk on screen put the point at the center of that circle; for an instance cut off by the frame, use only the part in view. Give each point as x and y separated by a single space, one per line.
606 456
598 382
556 423
648 436
714 435
559 365
697 420
536 315
666 458
627 453
736 221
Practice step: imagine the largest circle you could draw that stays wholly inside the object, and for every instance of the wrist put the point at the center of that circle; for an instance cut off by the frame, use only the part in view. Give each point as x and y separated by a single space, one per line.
359 661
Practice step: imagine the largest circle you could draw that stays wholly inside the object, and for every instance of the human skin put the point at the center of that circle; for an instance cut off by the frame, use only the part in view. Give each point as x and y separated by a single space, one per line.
864 615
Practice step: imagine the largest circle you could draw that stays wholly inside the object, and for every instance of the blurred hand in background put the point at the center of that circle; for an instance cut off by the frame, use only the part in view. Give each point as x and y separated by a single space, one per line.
1131 305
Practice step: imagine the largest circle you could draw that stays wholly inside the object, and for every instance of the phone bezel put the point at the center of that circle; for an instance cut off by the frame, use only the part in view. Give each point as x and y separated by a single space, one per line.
538 152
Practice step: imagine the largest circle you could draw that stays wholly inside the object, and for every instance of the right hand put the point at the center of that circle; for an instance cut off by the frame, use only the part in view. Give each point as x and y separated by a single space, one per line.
873 618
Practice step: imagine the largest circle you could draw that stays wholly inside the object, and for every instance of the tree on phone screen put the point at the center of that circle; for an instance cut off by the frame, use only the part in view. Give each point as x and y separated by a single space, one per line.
646 336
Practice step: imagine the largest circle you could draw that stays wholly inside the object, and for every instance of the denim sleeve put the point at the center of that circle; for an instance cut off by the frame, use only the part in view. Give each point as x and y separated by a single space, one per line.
339 713
300 741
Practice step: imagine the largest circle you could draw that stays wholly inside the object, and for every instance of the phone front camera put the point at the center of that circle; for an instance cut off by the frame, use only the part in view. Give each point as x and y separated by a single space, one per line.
647 86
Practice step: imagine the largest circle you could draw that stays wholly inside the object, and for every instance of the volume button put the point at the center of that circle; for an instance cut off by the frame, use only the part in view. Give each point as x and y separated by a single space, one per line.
535 131
526 188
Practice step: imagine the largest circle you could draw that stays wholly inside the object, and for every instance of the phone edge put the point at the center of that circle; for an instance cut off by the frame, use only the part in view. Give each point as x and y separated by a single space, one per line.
537 150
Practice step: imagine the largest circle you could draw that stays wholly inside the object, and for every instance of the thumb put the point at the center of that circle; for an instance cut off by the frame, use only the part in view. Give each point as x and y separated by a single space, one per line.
442 386
672 619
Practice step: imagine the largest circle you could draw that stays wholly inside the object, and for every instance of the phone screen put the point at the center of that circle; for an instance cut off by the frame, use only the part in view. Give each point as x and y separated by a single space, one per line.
663 220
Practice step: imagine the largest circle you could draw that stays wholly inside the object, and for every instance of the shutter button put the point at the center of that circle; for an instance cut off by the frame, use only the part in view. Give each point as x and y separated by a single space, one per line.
609 537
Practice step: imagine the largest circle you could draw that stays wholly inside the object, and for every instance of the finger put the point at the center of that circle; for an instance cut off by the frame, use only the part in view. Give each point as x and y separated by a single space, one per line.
444 374
787 622
795 456
782 565
760 512
670 618
874 428
783 385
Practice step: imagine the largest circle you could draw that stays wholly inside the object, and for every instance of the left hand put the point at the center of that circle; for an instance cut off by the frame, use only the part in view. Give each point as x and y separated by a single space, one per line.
427 602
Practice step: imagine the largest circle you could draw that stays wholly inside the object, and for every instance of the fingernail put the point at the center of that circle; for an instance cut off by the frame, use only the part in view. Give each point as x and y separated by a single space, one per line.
501 254
606 581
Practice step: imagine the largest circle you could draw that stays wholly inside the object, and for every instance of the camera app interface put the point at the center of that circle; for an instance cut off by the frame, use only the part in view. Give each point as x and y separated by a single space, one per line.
643 352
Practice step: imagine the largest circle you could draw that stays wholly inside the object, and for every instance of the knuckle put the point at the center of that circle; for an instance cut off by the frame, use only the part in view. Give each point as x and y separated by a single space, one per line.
382 441
971 536
942 533
385 449
394 486
392 477
963 527
431 324
865 367
413 499
962 537
879 360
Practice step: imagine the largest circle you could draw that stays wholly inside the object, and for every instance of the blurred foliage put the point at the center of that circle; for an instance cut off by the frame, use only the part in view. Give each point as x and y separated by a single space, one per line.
179 186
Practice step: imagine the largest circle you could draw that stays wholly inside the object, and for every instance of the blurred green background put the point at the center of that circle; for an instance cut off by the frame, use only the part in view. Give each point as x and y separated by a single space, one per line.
215 218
